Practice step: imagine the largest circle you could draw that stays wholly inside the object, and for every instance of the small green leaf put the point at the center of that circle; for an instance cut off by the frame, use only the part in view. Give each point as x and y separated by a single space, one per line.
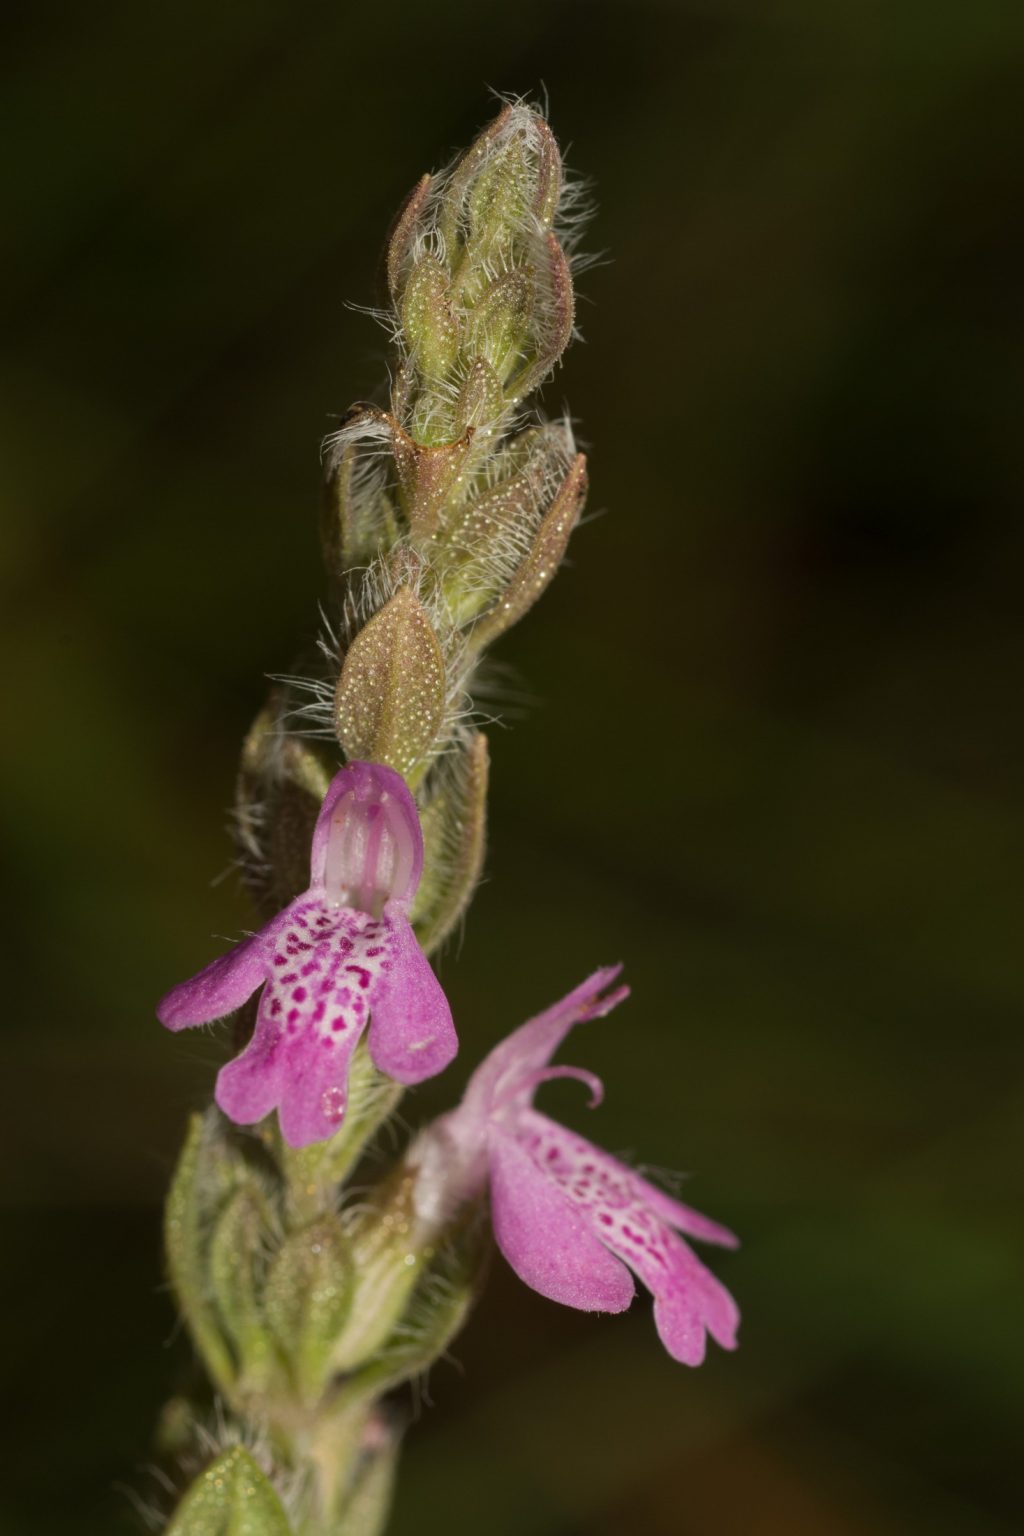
232 1497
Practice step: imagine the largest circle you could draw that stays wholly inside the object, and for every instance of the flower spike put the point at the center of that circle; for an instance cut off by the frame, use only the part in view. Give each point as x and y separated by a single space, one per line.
339 957
571 1220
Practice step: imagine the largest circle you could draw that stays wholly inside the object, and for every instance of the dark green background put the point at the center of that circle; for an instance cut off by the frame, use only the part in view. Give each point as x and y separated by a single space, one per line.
771 754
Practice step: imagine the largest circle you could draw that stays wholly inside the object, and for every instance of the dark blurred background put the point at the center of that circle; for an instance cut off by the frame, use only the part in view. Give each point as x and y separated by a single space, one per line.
771 758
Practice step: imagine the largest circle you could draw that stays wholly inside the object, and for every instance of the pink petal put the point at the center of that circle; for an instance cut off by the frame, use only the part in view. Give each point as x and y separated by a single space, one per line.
684 1217
249 1087
314 1089
614 1203
412 1036
547 1240
513 1065
320 970
222 987
347 848
688 1301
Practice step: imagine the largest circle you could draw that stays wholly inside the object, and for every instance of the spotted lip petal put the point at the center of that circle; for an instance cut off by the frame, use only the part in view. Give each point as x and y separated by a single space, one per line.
546 1240
614 1203
321 976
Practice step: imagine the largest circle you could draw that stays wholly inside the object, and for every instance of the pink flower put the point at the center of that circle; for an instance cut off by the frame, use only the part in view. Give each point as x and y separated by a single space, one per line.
568 1217
339 956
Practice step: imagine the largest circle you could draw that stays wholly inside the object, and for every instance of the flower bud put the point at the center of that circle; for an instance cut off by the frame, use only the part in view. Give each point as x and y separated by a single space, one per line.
542 558
477 275
501 320
431 328
390 698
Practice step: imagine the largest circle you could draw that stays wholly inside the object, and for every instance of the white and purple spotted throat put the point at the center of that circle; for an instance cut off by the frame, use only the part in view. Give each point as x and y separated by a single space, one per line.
338 958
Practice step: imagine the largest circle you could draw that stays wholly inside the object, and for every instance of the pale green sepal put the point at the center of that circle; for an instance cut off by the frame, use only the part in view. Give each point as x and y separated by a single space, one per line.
367 1507
238 1259
454 840
501 320
436 1312
232 1497
541 560
204 1178
307 1299
431 329
282 780
357 515
389 1255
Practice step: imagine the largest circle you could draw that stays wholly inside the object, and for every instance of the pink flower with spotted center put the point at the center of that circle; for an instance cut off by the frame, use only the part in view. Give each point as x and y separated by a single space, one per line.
338 958
571 1220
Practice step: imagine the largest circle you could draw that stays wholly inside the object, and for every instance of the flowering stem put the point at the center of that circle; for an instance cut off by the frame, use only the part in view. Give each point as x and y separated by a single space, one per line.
312 1290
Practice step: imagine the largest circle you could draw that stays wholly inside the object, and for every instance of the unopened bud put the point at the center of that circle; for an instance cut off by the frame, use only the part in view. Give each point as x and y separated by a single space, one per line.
477 276
431 328
390 699
500 324
541 561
